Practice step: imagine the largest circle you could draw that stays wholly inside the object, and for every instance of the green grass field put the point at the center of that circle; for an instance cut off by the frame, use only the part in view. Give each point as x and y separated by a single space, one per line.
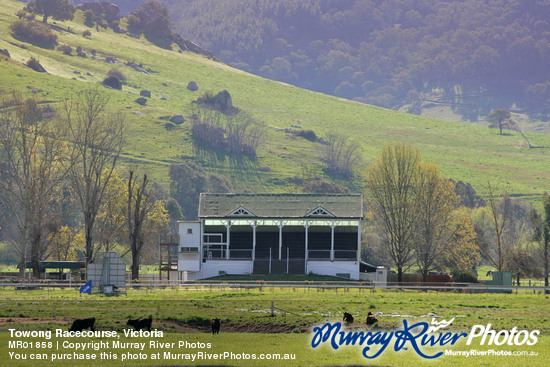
464 152
183 314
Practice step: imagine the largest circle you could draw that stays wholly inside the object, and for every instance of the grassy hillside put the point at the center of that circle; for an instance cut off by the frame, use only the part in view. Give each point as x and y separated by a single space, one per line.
463 152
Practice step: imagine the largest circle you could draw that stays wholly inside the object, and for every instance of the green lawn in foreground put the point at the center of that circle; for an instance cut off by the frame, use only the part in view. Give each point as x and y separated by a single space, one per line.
463 152
184 314
299 307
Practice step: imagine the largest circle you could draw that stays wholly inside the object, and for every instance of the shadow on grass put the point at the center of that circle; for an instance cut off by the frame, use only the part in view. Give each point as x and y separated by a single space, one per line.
242 167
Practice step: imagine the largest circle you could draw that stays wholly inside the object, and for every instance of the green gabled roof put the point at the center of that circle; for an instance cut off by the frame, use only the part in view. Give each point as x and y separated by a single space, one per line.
280 205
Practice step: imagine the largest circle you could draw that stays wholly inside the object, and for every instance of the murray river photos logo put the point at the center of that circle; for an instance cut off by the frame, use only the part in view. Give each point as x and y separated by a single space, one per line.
420 337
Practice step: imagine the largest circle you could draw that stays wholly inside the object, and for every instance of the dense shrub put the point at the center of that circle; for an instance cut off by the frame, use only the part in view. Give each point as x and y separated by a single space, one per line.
66 49
35 65
117 74
89 18
115 24
34 32
21 13
86 33
152 19
112 82
235 134
306 134
463 276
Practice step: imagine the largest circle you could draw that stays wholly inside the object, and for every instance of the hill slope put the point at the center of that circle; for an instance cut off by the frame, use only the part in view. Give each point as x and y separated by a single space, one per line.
483 54
464 152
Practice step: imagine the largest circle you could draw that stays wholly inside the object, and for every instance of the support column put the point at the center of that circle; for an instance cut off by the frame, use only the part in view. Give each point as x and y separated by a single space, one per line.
306 226
359 241
254 241
280 239
201 244
227 226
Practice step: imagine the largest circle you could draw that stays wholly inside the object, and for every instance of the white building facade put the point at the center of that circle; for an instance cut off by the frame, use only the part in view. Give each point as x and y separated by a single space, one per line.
272 234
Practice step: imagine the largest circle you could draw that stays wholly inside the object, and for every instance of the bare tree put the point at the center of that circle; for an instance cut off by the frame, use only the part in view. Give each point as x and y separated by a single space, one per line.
542 234
546 237
499 217
436 202
392 189
35 160
111 219
236 134
515 126
143 212
98 138
340 154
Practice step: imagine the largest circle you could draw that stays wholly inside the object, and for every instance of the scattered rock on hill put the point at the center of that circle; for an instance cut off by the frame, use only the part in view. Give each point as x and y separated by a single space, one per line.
221 102
323 141
35 65
145 93
137 67
142 101
5 52
113 82
162 99
177 119
192 86
169 126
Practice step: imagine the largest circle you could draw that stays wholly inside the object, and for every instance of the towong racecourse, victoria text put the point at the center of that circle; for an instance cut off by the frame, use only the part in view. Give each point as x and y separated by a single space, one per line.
81 346
417 335
59 333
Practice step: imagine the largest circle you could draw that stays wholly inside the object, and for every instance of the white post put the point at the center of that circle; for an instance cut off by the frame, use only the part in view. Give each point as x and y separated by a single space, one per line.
228 226
253 245
306 226
280 239
201 244
254 241
359 241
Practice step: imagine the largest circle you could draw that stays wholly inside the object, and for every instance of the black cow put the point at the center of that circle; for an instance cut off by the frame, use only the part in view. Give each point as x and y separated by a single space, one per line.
371 319
215 324
81 324
138 324
348 318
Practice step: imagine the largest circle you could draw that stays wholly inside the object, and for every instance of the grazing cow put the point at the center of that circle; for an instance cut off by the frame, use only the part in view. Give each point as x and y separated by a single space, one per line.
81 324
215 323
371 319
348 318
143 323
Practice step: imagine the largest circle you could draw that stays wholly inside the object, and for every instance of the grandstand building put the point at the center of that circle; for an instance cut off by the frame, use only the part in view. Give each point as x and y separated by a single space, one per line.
272 234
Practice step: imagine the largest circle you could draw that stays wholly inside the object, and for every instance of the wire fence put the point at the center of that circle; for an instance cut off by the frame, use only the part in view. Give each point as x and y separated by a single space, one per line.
28 284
